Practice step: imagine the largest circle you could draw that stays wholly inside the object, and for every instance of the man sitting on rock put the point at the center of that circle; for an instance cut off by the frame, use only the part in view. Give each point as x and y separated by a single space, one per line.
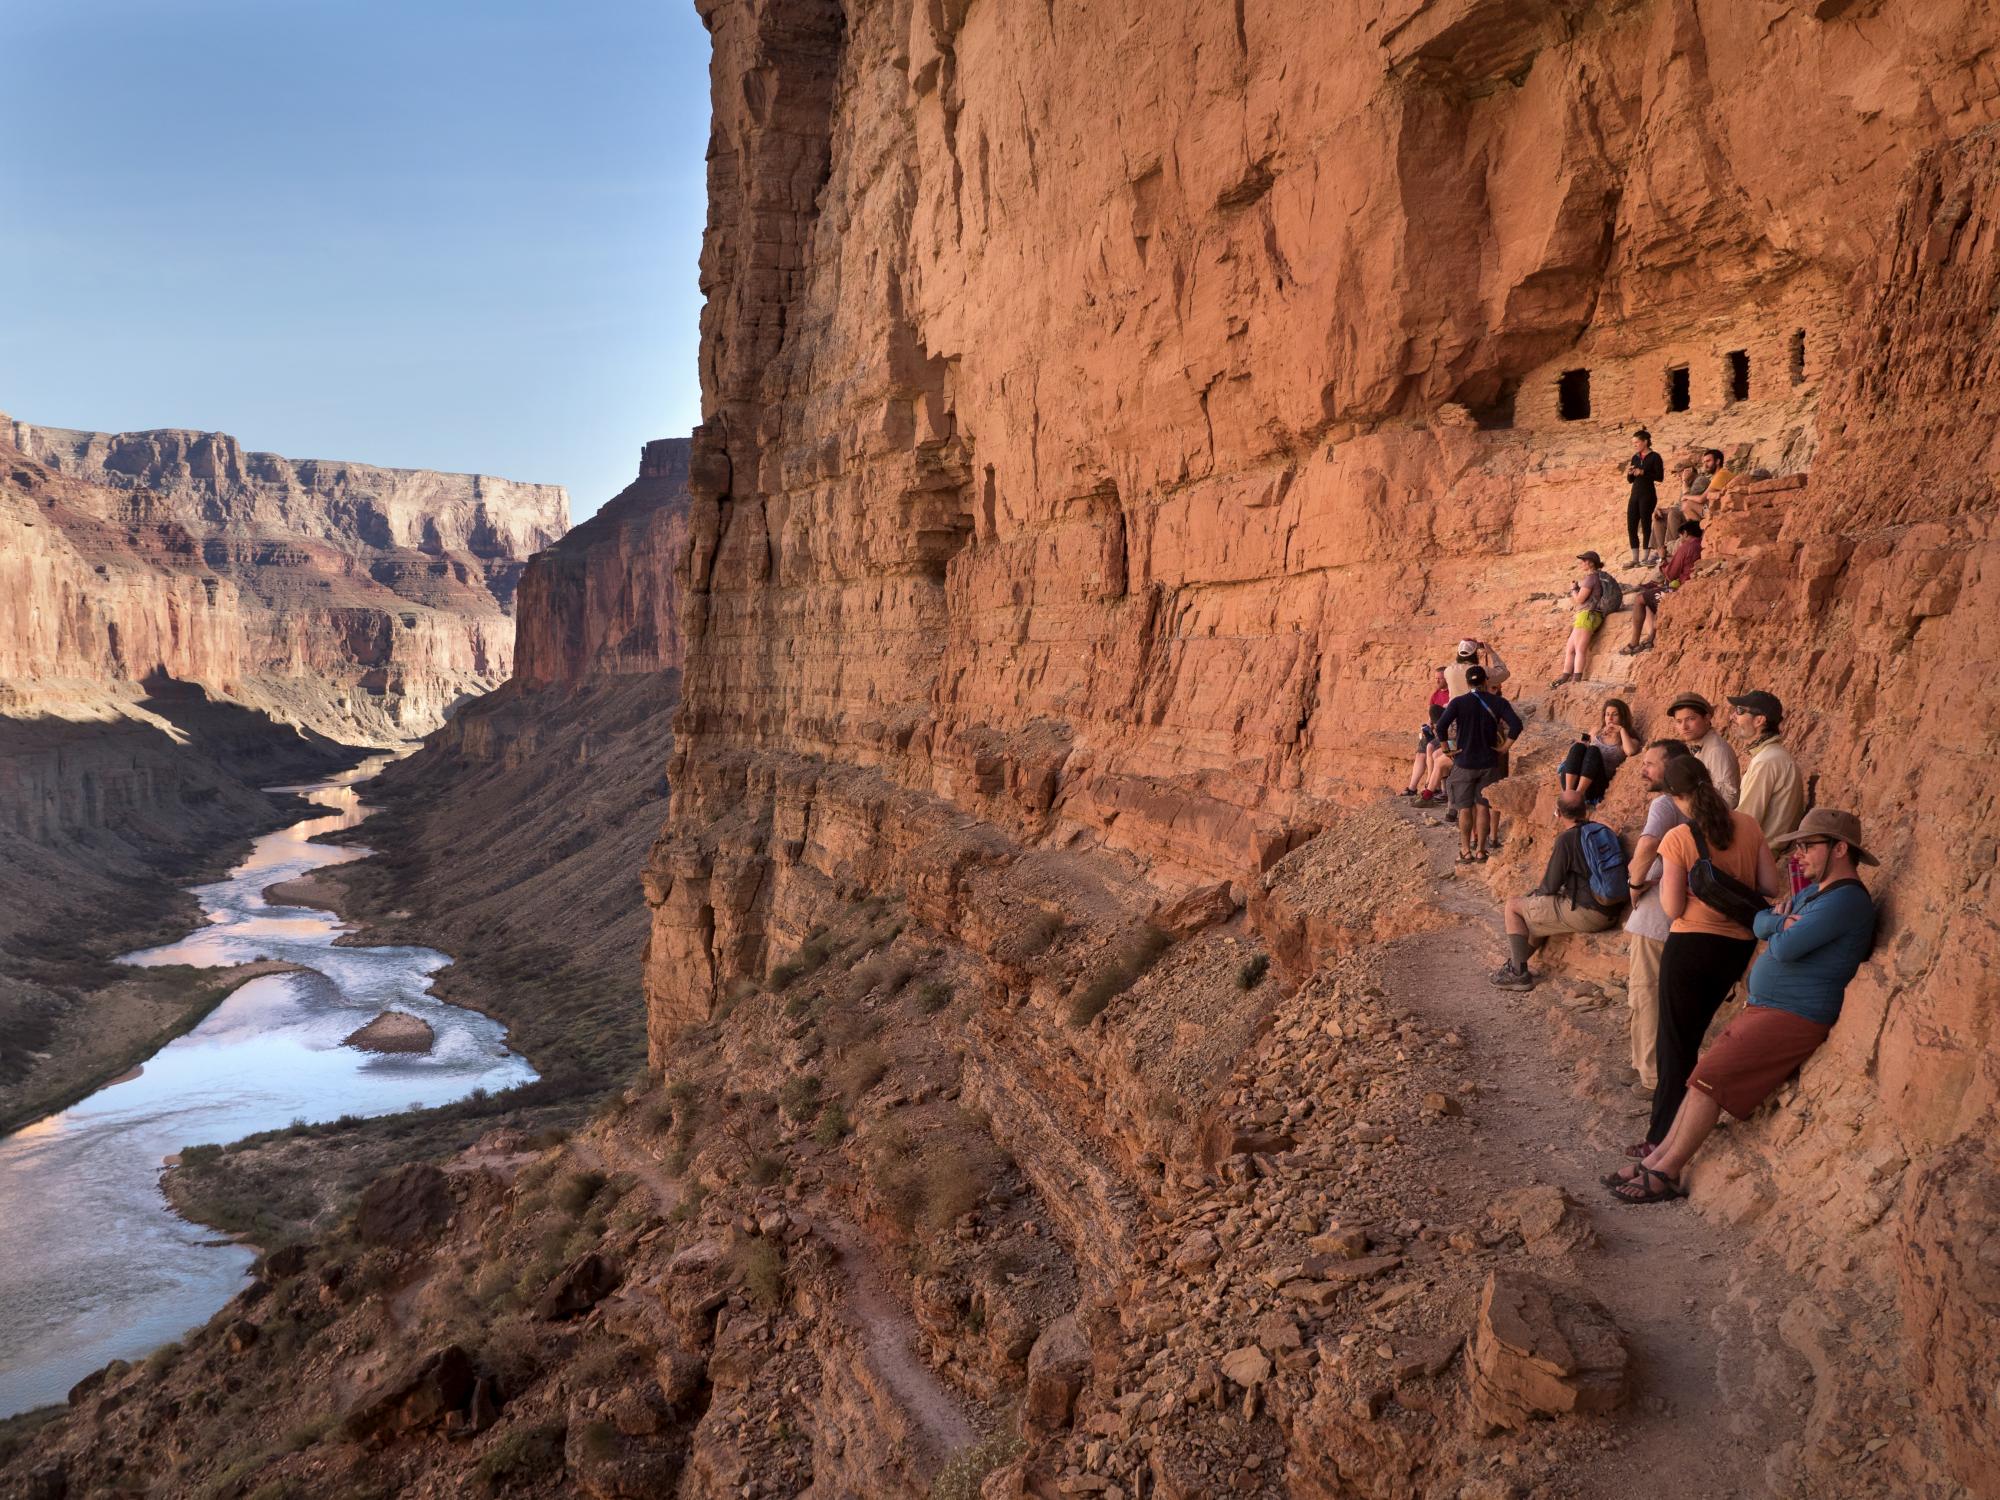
1773 791
1480 720
1669 521
1579 891
1694 718
1815 941
1679 568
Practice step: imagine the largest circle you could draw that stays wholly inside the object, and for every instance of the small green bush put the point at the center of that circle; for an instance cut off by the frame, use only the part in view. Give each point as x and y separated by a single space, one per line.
933 996
800 1097
524 1456
831 1125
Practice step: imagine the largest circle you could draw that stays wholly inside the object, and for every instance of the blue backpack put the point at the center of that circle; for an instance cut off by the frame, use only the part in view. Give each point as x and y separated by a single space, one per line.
1606 857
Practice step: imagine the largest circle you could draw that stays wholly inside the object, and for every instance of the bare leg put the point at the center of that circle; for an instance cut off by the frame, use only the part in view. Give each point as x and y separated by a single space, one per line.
1638 626
1693 1122
1465 831
1418 767
1483 815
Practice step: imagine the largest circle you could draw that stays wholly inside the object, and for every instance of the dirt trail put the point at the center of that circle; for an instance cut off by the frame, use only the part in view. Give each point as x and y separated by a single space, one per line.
889 1334
1715 1385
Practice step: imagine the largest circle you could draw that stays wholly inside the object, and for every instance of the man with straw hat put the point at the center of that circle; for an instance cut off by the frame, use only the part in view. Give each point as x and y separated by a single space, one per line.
1815 941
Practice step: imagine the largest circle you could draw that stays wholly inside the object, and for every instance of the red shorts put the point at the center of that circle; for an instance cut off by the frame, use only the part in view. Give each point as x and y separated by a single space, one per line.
1756 1052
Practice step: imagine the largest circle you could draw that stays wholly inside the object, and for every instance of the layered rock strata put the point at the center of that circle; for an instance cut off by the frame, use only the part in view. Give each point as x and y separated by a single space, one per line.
1103 439
357 601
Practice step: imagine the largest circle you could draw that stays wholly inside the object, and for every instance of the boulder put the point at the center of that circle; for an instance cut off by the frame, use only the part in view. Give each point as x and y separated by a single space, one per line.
1247 1366
405 1208
1542 1350
424 1395
1204 906
286 1260
392 1031
1058 1366
1196 1254
1547 1219
578 1287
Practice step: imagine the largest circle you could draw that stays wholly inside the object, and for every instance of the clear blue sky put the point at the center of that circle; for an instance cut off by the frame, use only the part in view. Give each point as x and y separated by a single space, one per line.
451 234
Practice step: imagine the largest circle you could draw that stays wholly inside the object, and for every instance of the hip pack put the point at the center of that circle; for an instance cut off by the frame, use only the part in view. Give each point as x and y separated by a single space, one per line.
1720 889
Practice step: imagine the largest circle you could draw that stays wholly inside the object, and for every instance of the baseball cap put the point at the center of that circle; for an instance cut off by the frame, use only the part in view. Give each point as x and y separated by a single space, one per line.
1474 676
1590 557
1467 650
1694 701
1759 702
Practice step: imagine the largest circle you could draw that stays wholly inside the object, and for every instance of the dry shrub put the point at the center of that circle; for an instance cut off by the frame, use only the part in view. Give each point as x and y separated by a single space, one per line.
1252 973
1132 958
860 1070
800 1097
760 1268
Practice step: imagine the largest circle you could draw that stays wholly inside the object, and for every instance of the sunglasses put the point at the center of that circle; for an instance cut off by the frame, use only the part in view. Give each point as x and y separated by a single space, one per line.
1810 843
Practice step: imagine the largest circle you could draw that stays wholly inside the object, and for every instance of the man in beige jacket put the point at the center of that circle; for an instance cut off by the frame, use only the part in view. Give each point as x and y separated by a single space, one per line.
1773 791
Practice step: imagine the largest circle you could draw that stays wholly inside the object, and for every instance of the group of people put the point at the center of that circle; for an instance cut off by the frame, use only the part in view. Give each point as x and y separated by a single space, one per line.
1699 890
1666 538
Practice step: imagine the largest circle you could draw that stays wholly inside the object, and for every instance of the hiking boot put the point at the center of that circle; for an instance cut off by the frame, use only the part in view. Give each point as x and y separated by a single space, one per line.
1507 977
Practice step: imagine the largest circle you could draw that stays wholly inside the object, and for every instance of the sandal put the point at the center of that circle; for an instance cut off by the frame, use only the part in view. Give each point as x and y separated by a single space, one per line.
1649 1186
1466 859
1614 1179
1640 1151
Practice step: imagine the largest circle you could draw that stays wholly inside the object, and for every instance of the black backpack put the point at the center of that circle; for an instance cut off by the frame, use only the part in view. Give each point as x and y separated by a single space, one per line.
1718 888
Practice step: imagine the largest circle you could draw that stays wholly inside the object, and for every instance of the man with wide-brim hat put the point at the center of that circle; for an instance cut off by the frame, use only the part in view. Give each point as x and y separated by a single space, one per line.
1815 942
1694 721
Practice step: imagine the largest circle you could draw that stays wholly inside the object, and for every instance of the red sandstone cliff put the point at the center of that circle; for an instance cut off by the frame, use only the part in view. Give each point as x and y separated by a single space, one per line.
602 602
357 601
1112 412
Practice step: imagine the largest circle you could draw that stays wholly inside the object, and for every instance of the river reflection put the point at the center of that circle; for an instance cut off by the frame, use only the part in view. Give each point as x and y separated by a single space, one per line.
93 1264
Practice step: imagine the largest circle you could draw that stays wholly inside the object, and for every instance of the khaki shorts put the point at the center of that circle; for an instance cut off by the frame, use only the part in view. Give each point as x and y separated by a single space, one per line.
1552 916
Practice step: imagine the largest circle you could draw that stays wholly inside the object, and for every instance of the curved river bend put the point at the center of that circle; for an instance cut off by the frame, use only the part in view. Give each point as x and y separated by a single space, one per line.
93 1264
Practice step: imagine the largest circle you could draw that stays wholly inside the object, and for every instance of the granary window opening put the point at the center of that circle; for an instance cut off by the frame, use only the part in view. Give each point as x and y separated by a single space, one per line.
1798 357
1573 395
1677 388
1736 374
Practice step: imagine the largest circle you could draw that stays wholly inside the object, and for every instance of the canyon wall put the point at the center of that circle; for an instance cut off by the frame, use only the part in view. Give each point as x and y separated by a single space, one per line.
515 836
603 602
354 601
1112 413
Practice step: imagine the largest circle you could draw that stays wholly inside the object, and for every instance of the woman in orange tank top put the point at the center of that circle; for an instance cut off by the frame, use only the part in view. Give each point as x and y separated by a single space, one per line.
1706 952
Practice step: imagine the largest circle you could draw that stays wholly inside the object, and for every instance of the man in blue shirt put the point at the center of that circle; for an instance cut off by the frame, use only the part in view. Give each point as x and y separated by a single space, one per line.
1479 717
1814 943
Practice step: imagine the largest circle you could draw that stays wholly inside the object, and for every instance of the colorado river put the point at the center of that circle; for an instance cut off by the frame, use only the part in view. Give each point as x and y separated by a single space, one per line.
93 1264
